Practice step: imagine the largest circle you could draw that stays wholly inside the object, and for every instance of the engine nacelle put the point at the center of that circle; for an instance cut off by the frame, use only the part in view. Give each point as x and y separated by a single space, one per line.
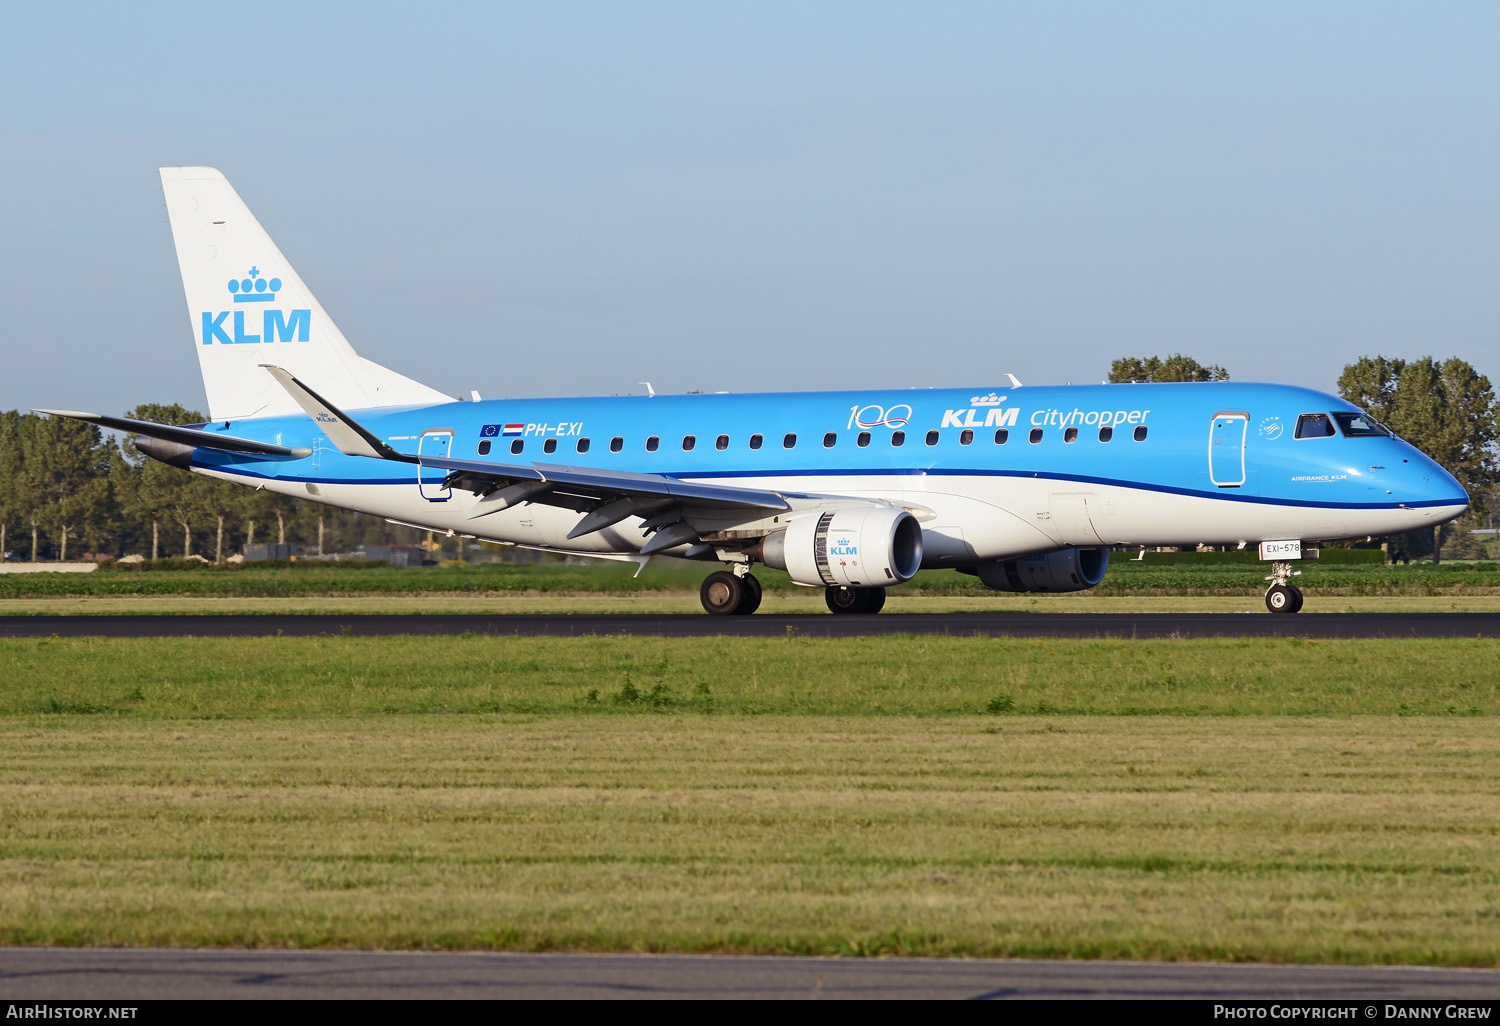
869 547
1067 570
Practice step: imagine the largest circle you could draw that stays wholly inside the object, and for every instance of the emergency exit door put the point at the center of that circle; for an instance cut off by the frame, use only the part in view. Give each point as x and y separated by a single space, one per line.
430 479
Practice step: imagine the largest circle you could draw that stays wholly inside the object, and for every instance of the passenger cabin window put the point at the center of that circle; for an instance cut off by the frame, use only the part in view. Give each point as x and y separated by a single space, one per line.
863 439
583 445
1070 435
688 441
550 445
516 447
652 443
484 447
1036 435
1314 425
932 438
1140 433
755 441
616 444
790 441
1001 436
1360 425
830 440
898 438
721 443
1106 433
965 437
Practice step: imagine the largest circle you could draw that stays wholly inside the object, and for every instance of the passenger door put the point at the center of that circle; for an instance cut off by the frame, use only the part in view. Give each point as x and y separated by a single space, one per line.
1226 448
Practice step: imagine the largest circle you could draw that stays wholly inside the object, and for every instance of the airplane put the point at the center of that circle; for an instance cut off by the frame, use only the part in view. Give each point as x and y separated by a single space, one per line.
1028 488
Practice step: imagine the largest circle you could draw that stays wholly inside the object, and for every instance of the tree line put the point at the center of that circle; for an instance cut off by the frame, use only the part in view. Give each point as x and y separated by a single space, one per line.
67 489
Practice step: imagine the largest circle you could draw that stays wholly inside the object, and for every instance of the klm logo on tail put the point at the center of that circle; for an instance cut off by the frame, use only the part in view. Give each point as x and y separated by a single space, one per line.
275 325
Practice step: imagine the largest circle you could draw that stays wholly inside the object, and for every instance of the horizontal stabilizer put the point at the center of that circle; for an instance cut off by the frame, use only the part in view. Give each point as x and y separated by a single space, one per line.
196 437
348 435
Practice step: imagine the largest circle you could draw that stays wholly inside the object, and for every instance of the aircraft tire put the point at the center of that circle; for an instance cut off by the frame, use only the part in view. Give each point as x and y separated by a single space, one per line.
854 600
1282 599
750 600
1296 600
722 593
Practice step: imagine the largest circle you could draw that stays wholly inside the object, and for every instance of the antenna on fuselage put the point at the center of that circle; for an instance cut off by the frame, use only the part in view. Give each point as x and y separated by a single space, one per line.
650 392
1015 382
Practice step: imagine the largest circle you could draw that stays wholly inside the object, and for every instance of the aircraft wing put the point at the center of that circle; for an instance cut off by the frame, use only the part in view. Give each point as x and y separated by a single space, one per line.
591 484
608 497
673 512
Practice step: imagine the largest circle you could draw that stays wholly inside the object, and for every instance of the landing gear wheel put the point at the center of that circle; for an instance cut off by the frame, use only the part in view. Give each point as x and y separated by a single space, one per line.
854 600
1281 598
722 593
750 600
845 600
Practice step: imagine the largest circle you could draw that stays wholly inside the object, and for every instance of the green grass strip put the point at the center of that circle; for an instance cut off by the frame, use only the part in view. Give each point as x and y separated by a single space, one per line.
1125 577
283 677
1289 839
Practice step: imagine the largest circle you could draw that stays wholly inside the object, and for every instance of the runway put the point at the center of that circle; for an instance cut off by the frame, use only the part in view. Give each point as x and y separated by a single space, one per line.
120 974
1019 625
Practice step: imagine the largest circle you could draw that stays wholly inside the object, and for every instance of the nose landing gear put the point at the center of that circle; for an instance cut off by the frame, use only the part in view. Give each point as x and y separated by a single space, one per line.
1281 597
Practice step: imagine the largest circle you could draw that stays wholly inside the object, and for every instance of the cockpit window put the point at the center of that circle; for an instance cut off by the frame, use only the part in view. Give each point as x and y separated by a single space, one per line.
1314 425
1360 425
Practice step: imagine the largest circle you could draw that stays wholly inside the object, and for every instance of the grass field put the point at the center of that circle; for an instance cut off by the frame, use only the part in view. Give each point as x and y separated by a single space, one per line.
676 580
672 587
1223 799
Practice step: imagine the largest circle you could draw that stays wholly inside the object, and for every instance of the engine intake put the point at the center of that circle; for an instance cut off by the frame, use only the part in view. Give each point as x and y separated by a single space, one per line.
1067 570
853 548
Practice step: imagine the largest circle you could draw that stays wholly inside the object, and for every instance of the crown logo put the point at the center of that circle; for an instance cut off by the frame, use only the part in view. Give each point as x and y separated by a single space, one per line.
254 289
986 400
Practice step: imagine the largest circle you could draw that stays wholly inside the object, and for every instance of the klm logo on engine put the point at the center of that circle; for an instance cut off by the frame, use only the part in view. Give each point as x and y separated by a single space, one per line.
843 547
229 328
983 411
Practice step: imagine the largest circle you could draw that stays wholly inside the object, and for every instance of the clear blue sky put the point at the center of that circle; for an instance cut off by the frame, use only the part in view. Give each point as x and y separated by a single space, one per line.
568 198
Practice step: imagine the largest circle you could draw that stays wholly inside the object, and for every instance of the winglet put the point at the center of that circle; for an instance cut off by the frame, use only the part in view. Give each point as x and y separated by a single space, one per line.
347 434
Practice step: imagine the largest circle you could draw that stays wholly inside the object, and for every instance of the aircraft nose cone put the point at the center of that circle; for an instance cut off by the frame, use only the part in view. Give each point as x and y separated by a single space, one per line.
1443 486
1443 497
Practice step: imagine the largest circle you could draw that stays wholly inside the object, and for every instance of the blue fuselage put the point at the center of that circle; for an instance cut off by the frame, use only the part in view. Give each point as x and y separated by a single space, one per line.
1227 442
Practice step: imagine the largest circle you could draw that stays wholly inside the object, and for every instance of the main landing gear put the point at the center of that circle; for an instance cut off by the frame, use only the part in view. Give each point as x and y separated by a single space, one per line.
737 593
854 600
1281 597
730 594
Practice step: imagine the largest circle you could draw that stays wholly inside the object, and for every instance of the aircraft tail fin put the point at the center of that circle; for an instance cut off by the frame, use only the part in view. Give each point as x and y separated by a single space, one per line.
248 307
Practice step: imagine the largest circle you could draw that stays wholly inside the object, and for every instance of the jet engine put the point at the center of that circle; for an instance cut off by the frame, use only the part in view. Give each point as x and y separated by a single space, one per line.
1066 570
868 547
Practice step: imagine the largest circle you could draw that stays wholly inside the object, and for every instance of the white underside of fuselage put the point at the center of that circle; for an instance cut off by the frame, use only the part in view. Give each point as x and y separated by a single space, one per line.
965 519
